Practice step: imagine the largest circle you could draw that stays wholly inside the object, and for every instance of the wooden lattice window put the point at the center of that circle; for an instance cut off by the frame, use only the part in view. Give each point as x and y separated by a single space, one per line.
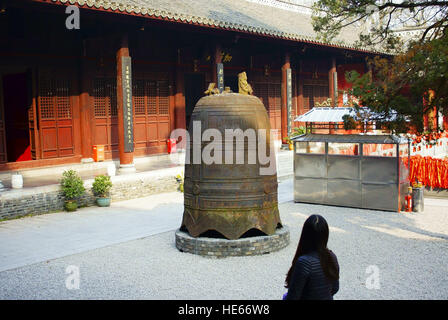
62 89
313 94
54 98
262 92
151 97
138 91
270 95
105 97
164 102
275 95
321 93
308 98
46 99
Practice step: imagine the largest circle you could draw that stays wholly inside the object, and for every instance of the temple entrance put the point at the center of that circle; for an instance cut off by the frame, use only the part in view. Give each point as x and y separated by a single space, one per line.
14 122
194 90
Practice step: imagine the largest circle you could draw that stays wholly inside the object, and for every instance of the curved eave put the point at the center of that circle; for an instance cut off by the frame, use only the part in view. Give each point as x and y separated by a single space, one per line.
118 8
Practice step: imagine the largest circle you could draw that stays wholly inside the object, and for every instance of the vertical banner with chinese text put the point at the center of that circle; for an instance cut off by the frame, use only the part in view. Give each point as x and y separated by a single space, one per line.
220 76
127 105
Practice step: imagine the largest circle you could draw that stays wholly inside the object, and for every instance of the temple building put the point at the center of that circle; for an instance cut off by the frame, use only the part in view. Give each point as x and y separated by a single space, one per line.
127 73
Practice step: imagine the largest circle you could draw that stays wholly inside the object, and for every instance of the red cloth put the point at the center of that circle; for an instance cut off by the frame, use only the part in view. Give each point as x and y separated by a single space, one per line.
429 171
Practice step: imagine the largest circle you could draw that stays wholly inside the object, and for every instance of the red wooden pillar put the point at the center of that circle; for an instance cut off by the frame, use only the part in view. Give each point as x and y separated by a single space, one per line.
126 158
332 82
85 113
284 111
217 58
300 105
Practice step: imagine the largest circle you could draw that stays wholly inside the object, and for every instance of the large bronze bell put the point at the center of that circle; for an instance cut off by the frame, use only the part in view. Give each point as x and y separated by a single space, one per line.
229 198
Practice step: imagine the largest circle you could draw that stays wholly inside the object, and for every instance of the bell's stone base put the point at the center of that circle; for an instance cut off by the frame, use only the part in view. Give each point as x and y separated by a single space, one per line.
220 248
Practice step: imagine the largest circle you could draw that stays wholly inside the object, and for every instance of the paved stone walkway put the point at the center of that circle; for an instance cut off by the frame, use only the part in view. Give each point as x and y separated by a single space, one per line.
409 252
39 238
35 239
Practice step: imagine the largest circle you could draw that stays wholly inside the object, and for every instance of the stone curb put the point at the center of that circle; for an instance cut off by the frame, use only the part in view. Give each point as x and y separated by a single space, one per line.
220 248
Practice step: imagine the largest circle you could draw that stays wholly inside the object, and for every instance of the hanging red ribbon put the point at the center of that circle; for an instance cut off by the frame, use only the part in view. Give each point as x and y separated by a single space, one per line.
429 171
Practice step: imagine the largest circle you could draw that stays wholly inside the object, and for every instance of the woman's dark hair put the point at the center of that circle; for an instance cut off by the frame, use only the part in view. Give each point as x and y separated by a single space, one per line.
314 238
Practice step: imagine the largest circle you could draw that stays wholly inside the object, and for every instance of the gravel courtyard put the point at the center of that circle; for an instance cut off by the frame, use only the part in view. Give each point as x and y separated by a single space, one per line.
410 251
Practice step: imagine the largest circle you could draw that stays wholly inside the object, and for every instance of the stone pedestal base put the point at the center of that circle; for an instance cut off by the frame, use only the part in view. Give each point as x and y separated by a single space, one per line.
126 168
219 248
87 160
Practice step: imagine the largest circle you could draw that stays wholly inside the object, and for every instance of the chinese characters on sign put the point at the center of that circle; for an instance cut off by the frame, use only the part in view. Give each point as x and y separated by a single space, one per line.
127 105
289 97
220 76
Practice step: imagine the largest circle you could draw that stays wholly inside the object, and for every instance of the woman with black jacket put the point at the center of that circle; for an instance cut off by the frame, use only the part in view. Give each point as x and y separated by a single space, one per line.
314 273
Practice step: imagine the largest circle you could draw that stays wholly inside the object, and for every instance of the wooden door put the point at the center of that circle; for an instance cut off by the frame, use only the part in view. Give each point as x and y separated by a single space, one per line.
313 94
55 113
270 95
151 115
105 114
32 115
308 98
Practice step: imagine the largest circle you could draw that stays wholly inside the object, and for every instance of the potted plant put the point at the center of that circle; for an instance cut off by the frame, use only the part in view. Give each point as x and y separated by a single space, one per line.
72 189
290 143
101 188
297 131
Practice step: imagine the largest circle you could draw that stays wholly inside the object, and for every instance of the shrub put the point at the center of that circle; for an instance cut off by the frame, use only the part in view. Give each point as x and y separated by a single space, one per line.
349 122
101 186
180 181
72 185
297 131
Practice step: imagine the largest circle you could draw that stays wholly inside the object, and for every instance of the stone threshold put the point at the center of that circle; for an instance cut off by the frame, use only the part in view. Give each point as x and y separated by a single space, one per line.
145 163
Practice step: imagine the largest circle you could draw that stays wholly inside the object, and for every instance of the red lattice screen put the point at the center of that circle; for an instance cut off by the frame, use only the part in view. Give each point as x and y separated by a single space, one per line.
105 113
151 115
308 98
313 94
55 116
105 97
163 94
270 95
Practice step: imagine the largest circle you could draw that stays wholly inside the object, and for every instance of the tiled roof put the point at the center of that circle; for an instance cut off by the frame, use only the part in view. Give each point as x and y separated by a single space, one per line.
329 114
351 138
325 114
236 15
